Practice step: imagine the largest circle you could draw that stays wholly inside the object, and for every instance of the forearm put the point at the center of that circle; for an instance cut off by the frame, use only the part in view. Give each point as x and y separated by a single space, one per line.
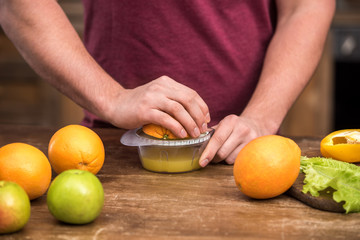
43 35
290 61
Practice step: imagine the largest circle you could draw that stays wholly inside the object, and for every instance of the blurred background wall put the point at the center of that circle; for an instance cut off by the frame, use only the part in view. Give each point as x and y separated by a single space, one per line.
329 101
27 99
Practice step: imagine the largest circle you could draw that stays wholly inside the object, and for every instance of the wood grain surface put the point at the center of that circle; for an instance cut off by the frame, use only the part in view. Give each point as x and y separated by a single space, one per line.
204 204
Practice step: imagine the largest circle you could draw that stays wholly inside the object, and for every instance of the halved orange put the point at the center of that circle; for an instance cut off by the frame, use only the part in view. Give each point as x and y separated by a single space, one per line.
158 131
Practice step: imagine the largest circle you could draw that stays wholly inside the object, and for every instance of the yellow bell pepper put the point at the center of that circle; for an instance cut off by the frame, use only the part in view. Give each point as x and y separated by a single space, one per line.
343 145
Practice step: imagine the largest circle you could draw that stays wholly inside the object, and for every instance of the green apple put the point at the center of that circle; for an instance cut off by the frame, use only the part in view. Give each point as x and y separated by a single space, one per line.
14 207
75 196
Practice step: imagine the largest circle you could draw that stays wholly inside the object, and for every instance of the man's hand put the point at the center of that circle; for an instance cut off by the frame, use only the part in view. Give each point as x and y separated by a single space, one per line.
230 136
164 102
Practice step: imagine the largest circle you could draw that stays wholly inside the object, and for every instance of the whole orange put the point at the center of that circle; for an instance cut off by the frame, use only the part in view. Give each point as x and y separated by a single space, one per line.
267 166
27 166
76 147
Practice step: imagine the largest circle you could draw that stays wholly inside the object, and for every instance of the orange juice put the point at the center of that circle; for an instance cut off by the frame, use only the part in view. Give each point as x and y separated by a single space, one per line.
171 159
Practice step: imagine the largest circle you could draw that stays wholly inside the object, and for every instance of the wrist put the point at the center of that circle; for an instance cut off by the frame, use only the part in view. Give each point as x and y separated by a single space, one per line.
106 102
269 122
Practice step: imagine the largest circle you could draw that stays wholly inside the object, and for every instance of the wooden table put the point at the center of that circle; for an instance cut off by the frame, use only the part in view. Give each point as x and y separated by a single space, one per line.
204 204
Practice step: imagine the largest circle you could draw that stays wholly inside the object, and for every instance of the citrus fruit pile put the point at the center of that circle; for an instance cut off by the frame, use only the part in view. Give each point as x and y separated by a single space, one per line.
265 168
26 167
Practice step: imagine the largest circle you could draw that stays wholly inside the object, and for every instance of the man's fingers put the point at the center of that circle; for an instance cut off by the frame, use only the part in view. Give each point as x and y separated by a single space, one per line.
163 119
178 122
178 112
190 100
217 140
232 157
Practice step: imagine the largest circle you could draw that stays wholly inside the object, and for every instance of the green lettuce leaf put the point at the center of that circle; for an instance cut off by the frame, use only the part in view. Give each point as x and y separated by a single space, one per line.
344 178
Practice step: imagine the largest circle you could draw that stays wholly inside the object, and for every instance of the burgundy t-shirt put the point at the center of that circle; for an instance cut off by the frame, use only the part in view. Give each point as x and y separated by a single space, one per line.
215 47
